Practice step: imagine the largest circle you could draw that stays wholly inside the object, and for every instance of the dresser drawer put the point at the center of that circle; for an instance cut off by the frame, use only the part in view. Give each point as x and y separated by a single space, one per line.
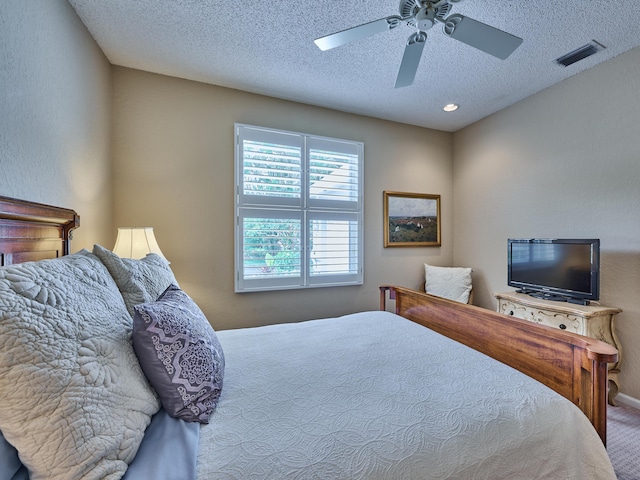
563 321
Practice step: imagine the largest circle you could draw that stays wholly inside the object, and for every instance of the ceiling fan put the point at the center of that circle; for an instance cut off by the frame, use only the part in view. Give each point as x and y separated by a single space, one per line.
422 15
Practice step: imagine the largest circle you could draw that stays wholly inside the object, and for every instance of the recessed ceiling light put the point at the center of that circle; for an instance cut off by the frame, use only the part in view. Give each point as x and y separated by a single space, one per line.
450 107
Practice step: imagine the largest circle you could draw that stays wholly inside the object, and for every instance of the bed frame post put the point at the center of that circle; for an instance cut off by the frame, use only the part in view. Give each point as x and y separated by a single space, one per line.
383 296
599 384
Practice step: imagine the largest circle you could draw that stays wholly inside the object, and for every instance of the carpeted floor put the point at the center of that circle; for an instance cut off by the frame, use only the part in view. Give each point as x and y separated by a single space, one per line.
623 441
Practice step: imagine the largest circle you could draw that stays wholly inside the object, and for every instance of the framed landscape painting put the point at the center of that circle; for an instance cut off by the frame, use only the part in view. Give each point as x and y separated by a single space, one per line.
411 219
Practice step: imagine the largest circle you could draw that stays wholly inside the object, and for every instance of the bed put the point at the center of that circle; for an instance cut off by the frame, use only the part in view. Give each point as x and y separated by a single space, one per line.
422 388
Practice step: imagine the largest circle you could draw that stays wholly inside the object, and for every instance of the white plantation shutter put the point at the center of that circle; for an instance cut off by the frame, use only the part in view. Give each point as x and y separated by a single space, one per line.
334 246
298 210
270 165
333 173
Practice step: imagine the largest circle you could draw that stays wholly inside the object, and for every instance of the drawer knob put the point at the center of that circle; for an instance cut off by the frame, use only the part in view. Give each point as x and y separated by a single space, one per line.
562 326
511 313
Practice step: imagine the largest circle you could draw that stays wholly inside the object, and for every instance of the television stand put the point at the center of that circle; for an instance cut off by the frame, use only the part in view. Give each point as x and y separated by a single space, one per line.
595 321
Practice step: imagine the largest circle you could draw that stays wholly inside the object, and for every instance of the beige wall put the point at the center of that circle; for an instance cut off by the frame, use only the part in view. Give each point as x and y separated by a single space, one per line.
173 170
563 163
55 113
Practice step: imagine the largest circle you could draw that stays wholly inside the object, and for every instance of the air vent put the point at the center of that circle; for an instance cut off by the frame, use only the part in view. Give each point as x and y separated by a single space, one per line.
579 54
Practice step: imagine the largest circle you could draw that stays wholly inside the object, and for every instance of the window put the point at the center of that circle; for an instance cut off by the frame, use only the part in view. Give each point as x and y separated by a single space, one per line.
298 204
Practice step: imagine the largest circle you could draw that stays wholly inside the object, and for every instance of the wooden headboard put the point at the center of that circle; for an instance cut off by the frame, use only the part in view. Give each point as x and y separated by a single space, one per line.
32 231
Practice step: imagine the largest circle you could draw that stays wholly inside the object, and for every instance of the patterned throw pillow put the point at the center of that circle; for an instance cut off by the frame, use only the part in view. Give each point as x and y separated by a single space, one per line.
139 281
180 354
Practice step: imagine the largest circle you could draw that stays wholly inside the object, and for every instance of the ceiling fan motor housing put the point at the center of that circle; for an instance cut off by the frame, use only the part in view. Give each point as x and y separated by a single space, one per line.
412 8
425 19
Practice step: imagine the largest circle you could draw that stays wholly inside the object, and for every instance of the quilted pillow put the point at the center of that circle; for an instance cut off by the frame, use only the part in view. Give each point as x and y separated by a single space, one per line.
453 283
75 402
180 354
139 281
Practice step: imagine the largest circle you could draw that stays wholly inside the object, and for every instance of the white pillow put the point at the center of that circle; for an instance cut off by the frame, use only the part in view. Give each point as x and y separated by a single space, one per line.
453 283
75 402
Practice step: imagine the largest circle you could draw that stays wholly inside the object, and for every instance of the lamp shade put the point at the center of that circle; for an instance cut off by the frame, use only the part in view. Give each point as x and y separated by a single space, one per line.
136 242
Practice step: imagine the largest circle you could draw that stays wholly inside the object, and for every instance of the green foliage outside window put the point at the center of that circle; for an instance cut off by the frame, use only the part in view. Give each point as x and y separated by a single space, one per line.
273 245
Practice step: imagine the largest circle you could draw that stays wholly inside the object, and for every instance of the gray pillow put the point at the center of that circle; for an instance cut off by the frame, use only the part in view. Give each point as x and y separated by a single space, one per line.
139 281
180 354
75 402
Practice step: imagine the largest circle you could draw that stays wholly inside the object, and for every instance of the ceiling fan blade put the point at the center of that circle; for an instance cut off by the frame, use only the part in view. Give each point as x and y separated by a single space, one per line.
356 33
411 59
481 36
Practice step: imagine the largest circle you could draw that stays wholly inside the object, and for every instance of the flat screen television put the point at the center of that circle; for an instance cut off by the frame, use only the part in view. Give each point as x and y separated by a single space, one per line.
555 269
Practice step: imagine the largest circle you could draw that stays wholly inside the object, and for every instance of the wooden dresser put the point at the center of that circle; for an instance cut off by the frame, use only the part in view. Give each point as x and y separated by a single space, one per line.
594 321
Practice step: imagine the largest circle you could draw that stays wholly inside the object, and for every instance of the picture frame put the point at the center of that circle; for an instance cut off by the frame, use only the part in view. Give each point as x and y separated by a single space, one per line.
411 219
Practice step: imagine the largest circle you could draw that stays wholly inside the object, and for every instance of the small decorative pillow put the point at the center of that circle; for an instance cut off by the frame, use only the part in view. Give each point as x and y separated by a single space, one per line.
180 354
453 283
75 402
139 281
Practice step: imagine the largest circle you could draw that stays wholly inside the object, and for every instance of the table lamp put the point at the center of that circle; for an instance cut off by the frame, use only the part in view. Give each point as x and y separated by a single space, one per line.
136 242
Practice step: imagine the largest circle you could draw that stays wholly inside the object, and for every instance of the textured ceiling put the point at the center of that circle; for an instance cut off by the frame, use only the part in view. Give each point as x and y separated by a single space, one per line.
266 47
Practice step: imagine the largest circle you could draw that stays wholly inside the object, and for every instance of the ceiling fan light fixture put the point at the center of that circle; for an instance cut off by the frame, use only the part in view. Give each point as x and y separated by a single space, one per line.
451 107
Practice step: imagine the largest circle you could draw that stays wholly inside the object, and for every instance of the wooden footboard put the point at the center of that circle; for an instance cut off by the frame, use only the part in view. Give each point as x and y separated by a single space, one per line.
573 365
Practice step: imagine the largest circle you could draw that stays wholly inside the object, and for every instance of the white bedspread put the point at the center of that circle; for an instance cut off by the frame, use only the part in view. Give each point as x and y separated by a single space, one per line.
374 396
